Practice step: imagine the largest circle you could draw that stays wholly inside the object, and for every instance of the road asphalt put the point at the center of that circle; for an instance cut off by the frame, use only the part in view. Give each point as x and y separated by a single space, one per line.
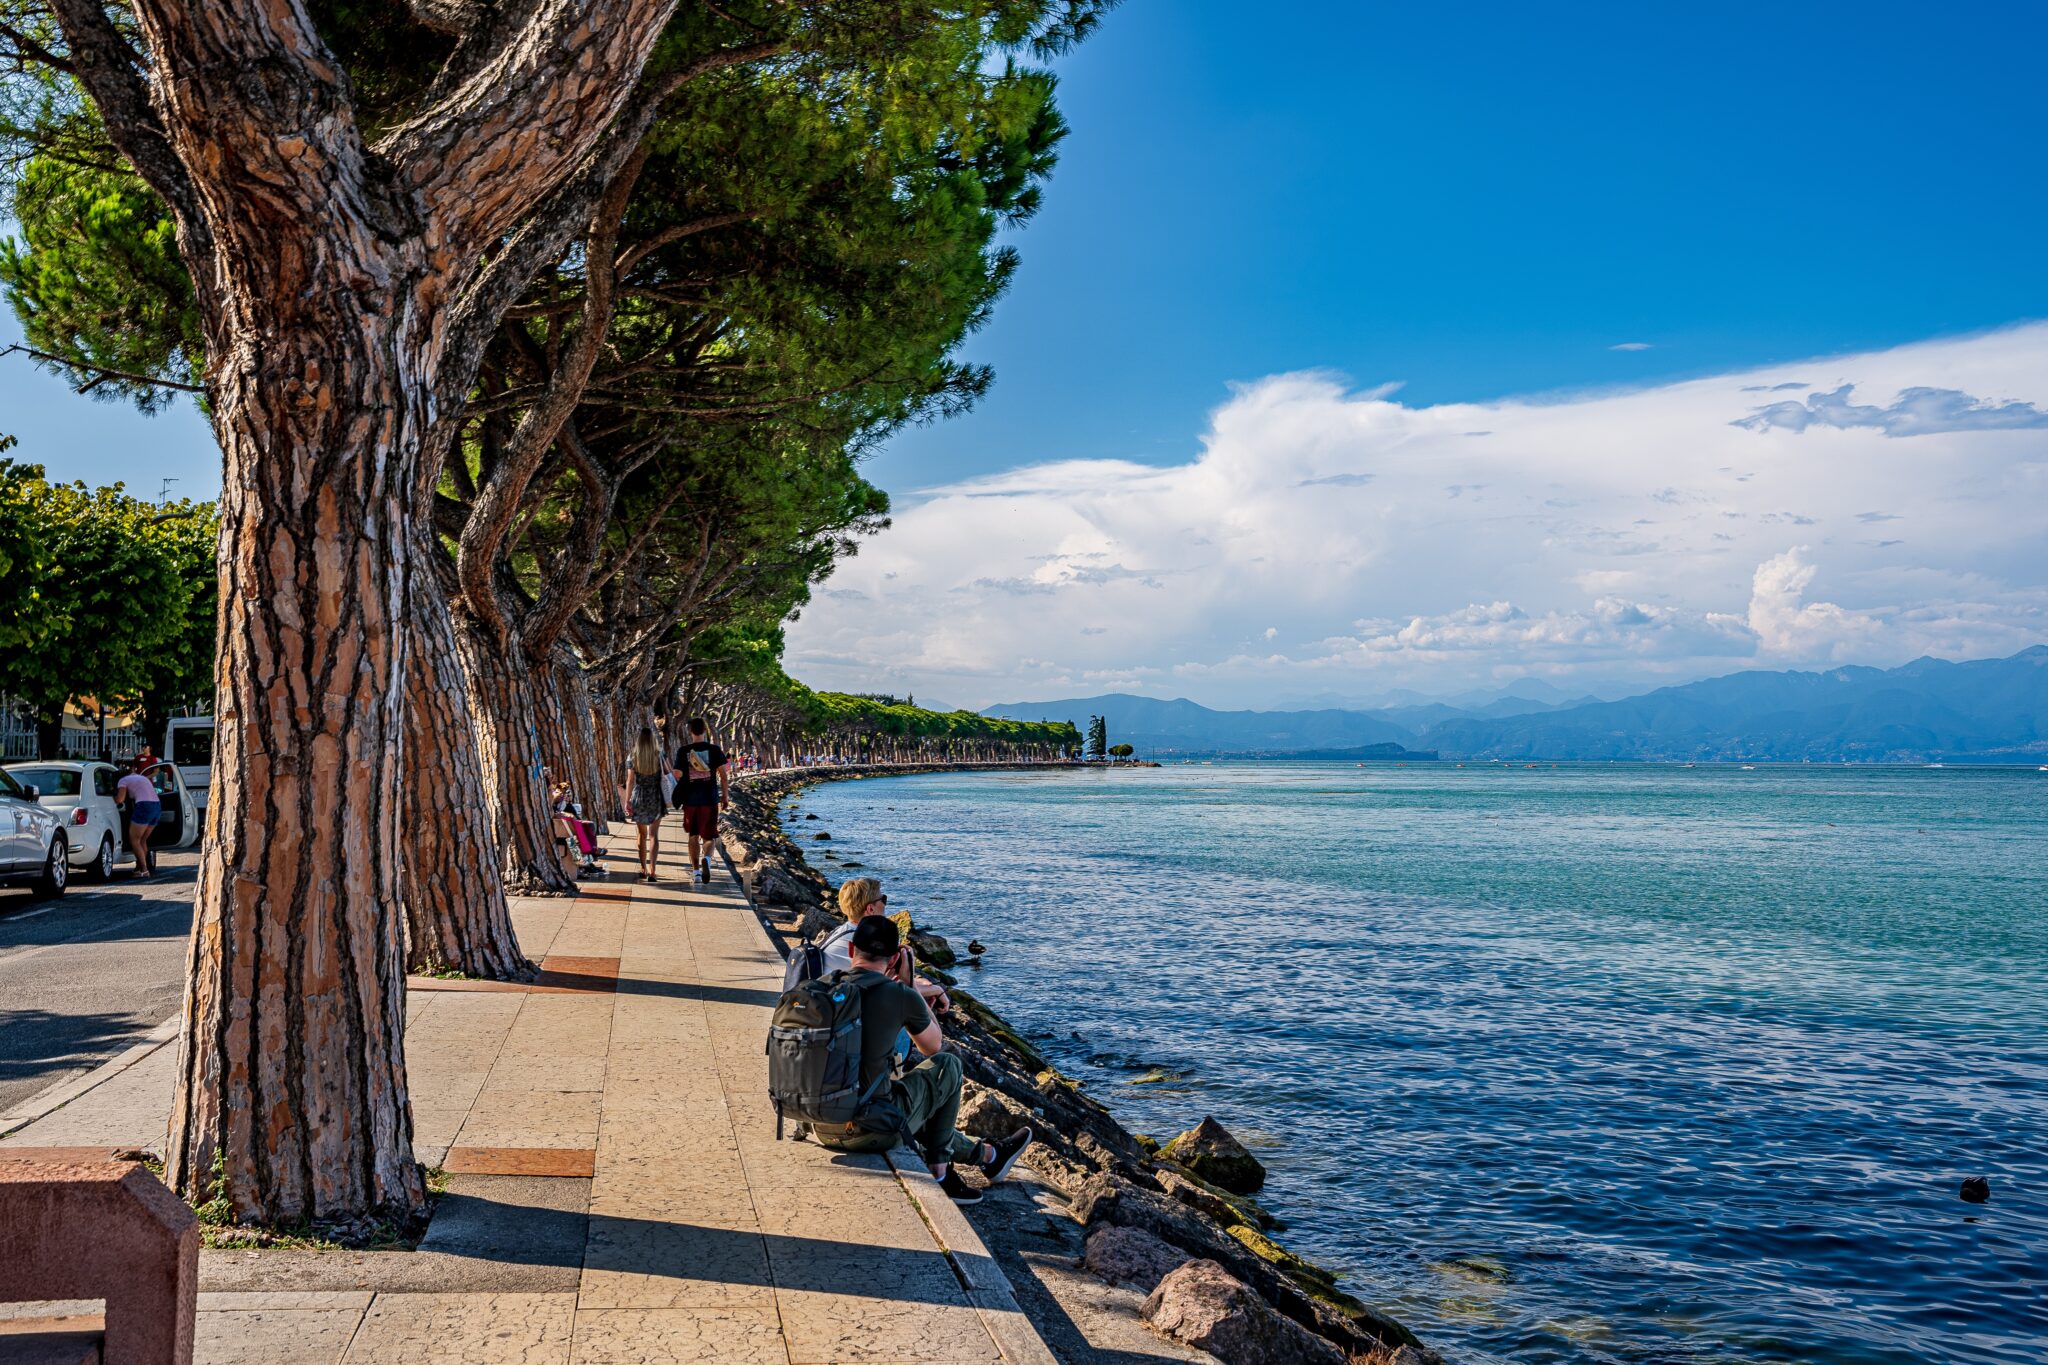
83 977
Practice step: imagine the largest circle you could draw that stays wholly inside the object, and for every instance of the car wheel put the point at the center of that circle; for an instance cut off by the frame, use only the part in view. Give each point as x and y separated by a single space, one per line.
103 866
56 872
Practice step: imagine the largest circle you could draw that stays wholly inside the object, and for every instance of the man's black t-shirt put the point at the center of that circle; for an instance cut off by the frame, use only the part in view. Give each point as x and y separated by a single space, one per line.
699 761
886 1009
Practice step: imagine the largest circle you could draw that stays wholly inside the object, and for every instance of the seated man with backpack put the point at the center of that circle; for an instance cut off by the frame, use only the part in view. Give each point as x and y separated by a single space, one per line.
831 1065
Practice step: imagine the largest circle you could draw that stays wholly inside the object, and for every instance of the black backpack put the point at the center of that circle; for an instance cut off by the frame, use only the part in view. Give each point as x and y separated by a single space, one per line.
814 1049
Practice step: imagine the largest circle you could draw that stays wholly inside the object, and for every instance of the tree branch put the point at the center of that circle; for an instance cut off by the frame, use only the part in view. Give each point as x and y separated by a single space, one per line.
101 374
483 155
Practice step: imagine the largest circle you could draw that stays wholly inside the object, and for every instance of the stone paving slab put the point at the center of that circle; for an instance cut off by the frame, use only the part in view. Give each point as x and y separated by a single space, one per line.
616 1192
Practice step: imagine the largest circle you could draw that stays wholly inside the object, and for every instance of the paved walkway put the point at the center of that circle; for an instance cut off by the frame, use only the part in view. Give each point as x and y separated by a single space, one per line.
615 1189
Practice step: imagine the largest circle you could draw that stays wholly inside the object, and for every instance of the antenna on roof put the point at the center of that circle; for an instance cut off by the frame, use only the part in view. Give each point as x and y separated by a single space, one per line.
163 492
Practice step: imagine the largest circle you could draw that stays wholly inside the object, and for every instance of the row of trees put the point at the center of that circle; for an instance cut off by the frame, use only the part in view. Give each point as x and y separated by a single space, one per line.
103 598
781 721
542 341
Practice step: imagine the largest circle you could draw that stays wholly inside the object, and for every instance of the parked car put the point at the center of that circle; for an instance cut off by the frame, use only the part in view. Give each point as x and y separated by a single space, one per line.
82 795
33 849
188 742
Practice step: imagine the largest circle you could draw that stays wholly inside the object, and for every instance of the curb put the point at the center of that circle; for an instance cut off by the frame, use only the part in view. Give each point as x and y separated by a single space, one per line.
988 1289
48 1102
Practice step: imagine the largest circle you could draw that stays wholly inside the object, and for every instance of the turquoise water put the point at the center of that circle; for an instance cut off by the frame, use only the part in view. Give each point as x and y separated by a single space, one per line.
1630 1064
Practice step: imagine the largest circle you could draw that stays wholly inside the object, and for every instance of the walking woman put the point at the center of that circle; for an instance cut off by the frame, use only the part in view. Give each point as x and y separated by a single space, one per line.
644 806
139 795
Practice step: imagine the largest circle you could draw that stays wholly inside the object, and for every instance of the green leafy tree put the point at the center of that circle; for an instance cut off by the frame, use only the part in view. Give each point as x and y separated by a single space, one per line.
24 556
96 279
109 602
179 675
1098 737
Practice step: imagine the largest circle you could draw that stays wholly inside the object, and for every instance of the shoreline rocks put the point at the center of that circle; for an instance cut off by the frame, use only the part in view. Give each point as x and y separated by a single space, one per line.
1152 1209
1209 1151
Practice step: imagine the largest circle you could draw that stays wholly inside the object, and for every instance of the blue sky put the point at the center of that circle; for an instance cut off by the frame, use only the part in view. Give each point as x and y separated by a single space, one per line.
1481 199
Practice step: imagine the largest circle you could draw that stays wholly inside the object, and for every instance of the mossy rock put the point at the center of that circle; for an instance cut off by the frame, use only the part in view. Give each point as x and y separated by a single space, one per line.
1310 1278
931 948
1243 1206
1212 1153
1279 1257
1150 1144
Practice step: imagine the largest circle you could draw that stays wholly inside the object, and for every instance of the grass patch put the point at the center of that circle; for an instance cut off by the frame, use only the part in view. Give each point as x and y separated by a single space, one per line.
220 1229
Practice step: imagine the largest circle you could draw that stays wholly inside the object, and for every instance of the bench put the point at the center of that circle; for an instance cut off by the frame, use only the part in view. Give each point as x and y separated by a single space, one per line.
84 1223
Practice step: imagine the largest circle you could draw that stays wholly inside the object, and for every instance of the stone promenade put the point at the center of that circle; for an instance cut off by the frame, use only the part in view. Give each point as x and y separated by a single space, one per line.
615 1192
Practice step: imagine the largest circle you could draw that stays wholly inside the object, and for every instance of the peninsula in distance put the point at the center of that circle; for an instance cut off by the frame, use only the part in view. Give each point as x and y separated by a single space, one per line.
1928 711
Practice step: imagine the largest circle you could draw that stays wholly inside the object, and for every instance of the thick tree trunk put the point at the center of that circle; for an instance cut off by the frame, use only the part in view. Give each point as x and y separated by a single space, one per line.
585 751
505 715
291 1094
456 915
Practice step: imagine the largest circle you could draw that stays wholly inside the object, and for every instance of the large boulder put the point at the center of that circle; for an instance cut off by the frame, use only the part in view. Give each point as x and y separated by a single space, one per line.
989 1114
1311 1302
931 948
1227 1209
1203 1305
1212 1153
1134 1259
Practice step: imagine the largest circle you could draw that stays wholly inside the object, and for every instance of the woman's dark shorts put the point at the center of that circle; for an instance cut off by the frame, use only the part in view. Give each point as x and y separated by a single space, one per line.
146 813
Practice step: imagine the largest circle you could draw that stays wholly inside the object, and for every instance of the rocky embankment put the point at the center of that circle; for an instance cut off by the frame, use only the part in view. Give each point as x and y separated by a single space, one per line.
1176 1221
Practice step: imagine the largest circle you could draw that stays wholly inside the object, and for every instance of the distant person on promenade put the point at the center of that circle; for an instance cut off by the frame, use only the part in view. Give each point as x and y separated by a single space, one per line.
703 785
575 832
138 794
642 792
927 1095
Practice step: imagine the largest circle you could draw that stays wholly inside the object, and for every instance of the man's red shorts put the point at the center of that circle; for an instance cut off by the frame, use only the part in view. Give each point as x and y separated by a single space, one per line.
701 821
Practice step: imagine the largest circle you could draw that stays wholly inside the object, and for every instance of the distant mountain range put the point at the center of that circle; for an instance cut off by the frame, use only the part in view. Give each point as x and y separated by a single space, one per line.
1930 710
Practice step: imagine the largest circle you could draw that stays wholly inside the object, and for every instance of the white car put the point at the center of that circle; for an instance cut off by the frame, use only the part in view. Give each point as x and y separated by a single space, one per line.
33 850
188 742
82 795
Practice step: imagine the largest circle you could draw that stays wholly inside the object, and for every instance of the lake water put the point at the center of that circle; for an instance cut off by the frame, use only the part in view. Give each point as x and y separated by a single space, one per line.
1630 1064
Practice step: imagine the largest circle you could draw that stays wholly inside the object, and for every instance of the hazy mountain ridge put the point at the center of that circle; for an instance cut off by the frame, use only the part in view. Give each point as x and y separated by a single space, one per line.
1930 710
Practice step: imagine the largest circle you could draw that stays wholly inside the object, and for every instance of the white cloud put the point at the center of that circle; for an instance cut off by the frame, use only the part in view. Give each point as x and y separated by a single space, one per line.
1631 346
1916 412
1635 536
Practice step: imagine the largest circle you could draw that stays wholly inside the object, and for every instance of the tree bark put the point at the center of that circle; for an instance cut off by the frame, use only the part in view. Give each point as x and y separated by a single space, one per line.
505 715
457 918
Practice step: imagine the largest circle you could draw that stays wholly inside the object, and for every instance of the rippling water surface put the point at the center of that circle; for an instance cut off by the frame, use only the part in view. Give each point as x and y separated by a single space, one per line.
1609 1064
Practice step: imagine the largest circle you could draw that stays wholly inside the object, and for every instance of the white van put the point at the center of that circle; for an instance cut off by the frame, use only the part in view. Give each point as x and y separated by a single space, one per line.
188 742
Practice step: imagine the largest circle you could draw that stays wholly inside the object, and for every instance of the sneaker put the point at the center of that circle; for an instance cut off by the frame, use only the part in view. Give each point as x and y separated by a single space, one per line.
707 872
958 1190
1007 1151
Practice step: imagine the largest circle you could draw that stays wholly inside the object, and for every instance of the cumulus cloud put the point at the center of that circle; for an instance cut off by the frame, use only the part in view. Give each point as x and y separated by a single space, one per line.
1632 536
1915 412
1786 623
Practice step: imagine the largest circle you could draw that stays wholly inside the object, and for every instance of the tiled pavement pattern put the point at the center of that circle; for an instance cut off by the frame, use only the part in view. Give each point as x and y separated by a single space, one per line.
616 1192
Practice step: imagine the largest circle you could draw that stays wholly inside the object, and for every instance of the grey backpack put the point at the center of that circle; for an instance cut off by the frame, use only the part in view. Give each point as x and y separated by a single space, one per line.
814 1040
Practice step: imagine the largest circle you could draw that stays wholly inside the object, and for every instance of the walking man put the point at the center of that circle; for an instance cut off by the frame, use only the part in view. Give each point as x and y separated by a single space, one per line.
702 788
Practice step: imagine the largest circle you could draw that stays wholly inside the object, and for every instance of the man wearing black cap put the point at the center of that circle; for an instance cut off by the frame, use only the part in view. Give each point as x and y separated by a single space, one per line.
928 1093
